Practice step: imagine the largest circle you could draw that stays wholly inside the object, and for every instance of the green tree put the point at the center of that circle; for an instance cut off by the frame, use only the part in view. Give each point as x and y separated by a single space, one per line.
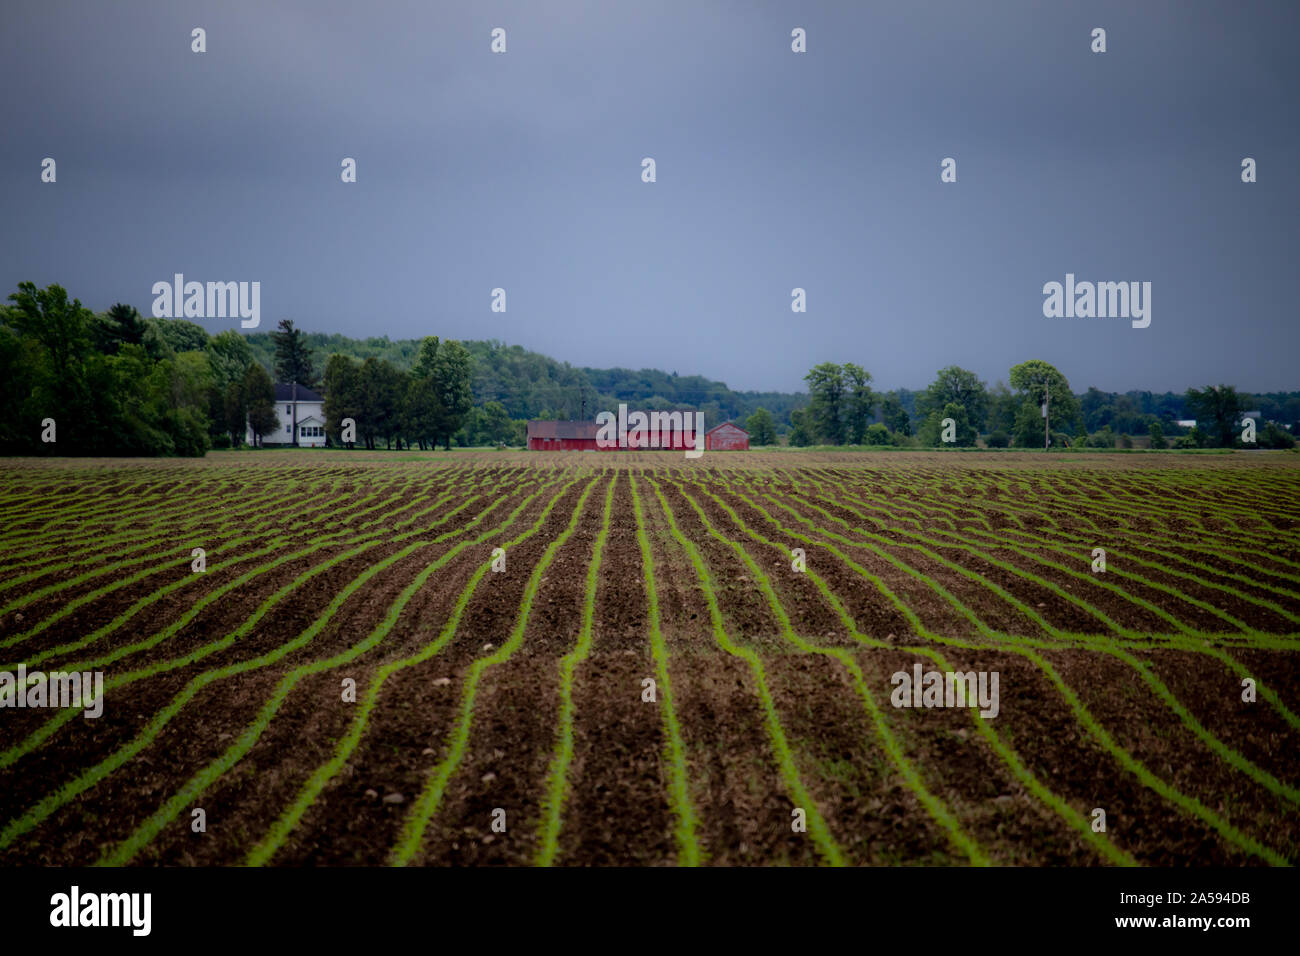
895 415
120 325
46 316
234 413
96 377
426 361
181 335
1275 436
876 435
800 433
137 405
452 373
495 427
228 358
1002 408
20 422
342 385
1217 407
1035 381
293 359
61 379
155 340
187 380
1157 434
825 416
859 402
956 386
1102 438
761 428
932 429
259 401
422 411
382 389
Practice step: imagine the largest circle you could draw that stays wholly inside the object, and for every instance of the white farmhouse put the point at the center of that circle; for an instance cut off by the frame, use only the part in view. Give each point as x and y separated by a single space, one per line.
297 406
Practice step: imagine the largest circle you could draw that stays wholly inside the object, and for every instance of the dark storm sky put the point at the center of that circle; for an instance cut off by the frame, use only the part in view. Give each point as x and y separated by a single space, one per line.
775 170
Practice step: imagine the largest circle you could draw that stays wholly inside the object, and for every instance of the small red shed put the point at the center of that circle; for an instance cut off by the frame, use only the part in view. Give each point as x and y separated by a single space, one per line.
726 437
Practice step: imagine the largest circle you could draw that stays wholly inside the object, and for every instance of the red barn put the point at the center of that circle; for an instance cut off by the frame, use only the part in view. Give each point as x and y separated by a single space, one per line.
726 437
665 432
562 436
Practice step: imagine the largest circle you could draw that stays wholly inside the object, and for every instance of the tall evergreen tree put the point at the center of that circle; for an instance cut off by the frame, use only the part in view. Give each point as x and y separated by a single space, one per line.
120 325
293 359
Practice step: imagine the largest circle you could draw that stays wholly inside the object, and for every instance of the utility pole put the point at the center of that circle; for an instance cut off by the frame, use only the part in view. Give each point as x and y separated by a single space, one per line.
294 394
1047 415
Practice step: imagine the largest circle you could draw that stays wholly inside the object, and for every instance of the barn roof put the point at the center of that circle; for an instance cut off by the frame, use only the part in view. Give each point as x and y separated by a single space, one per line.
541 428
284 393
725 425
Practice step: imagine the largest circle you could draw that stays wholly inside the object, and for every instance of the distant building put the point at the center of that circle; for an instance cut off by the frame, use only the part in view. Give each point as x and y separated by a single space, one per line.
546 435
1186 423
661 430
726 437
1256 414
300 406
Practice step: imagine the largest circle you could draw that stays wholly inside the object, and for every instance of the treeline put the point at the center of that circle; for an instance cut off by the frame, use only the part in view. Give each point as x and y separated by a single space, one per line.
421 403
1038 409
531 385
423 406
76 382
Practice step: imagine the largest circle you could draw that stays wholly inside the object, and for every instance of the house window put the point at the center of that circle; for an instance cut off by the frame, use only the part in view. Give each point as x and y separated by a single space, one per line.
288 428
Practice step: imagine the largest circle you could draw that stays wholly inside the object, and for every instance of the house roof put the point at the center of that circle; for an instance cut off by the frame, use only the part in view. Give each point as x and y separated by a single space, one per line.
284 393
725 425
541 428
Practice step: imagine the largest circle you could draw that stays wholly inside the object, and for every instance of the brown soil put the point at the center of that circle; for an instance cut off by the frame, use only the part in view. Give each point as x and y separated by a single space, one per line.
617 808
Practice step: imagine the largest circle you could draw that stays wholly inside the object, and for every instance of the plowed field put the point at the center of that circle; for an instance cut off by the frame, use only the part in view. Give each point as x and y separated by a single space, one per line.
637 659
